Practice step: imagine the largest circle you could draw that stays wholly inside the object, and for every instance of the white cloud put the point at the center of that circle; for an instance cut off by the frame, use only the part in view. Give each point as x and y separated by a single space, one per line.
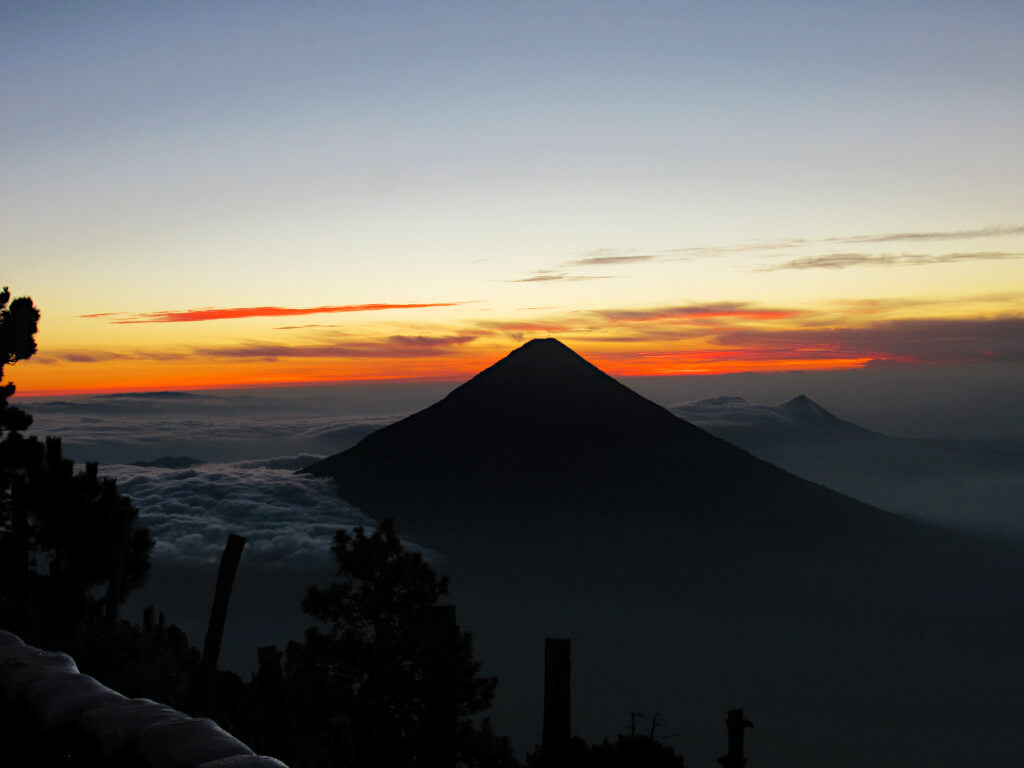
284 517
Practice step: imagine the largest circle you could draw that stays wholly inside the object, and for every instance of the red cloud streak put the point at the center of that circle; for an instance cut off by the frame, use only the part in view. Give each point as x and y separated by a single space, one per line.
233 313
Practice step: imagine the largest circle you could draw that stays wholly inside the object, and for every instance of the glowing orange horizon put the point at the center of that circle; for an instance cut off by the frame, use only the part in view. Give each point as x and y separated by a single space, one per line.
429 370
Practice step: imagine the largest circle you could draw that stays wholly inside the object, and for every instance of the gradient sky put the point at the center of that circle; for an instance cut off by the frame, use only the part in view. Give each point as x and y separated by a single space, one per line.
229 194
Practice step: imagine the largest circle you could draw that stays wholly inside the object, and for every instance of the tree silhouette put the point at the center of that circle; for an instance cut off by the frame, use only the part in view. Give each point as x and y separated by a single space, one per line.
19 323
61 534
365 673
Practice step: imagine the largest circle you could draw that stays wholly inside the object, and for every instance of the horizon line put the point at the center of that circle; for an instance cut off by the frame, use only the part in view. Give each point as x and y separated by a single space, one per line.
367 380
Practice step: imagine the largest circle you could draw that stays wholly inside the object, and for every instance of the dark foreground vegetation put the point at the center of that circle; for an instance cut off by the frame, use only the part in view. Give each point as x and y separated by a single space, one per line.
375 684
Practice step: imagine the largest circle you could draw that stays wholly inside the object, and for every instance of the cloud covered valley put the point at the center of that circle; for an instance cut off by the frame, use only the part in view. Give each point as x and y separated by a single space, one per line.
285 517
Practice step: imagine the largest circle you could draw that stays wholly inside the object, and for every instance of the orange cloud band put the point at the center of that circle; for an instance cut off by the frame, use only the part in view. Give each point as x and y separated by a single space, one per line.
234 313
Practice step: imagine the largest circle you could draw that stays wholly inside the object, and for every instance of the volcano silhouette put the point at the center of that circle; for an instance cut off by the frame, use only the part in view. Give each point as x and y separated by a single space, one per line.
693 577
551 436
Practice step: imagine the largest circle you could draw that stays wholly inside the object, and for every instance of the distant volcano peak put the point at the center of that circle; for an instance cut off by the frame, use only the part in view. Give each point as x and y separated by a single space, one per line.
803 406
801 401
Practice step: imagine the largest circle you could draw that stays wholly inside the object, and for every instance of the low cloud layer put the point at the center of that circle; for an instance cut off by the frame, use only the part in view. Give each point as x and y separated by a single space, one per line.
285 518
210 426
248 444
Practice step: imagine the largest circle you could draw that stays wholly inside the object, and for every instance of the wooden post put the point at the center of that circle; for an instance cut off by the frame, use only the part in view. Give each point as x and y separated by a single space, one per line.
736 724
54 452
557 696
120 513
340 727
440 694
18 565
273 714
203 697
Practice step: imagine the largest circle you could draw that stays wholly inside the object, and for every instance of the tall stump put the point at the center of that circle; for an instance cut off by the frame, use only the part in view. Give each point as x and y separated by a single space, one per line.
440 721
557 697
203 697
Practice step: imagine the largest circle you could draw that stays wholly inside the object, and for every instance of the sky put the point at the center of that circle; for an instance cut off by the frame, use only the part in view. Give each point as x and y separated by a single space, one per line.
238 194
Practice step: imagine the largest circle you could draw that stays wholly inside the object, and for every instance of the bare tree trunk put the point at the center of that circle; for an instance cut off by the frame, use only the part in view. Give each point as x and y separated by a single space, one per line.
203 697
440 722
735 724
120 514
557 697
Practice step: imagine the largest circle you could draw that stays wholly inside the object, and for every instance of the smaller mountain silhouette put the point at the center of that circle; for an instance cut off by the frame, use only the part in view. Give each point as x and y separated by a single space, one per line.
973 484
803 408
800 417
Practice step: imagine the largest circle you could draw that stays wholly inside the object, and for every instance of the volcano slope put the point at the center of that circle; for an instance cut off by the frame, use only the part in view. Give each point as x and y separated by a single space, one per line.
693 577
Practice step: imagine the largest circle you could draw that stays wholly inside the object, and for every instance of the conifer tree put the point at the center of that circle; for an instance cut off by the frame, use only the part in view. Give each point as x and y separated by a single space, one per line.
368 665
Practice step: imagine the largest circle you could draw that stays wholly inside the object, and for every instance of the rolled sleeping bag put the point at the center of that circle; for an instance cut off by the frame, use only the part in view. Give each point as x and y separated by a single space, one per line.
245 761
13 652
16 674
54 701
9 638
186 744
112 728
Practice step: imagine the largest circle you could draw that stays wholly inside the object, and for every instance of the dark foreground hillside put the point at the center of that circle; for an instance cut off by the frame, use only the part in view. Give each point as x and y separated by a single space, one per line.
693 577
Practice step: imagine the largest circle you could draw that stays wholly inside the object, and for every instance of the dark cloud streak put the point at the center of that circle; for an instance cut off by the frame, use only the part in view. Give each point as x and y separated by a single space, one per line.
962 234
605 259
549 276
845 260
740 310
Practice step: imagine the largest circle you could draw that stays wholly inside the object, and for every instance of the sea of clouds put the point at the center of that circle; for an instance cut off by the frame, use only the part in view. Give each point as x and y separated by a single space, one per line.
222 426
243 448
237 452
285 517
